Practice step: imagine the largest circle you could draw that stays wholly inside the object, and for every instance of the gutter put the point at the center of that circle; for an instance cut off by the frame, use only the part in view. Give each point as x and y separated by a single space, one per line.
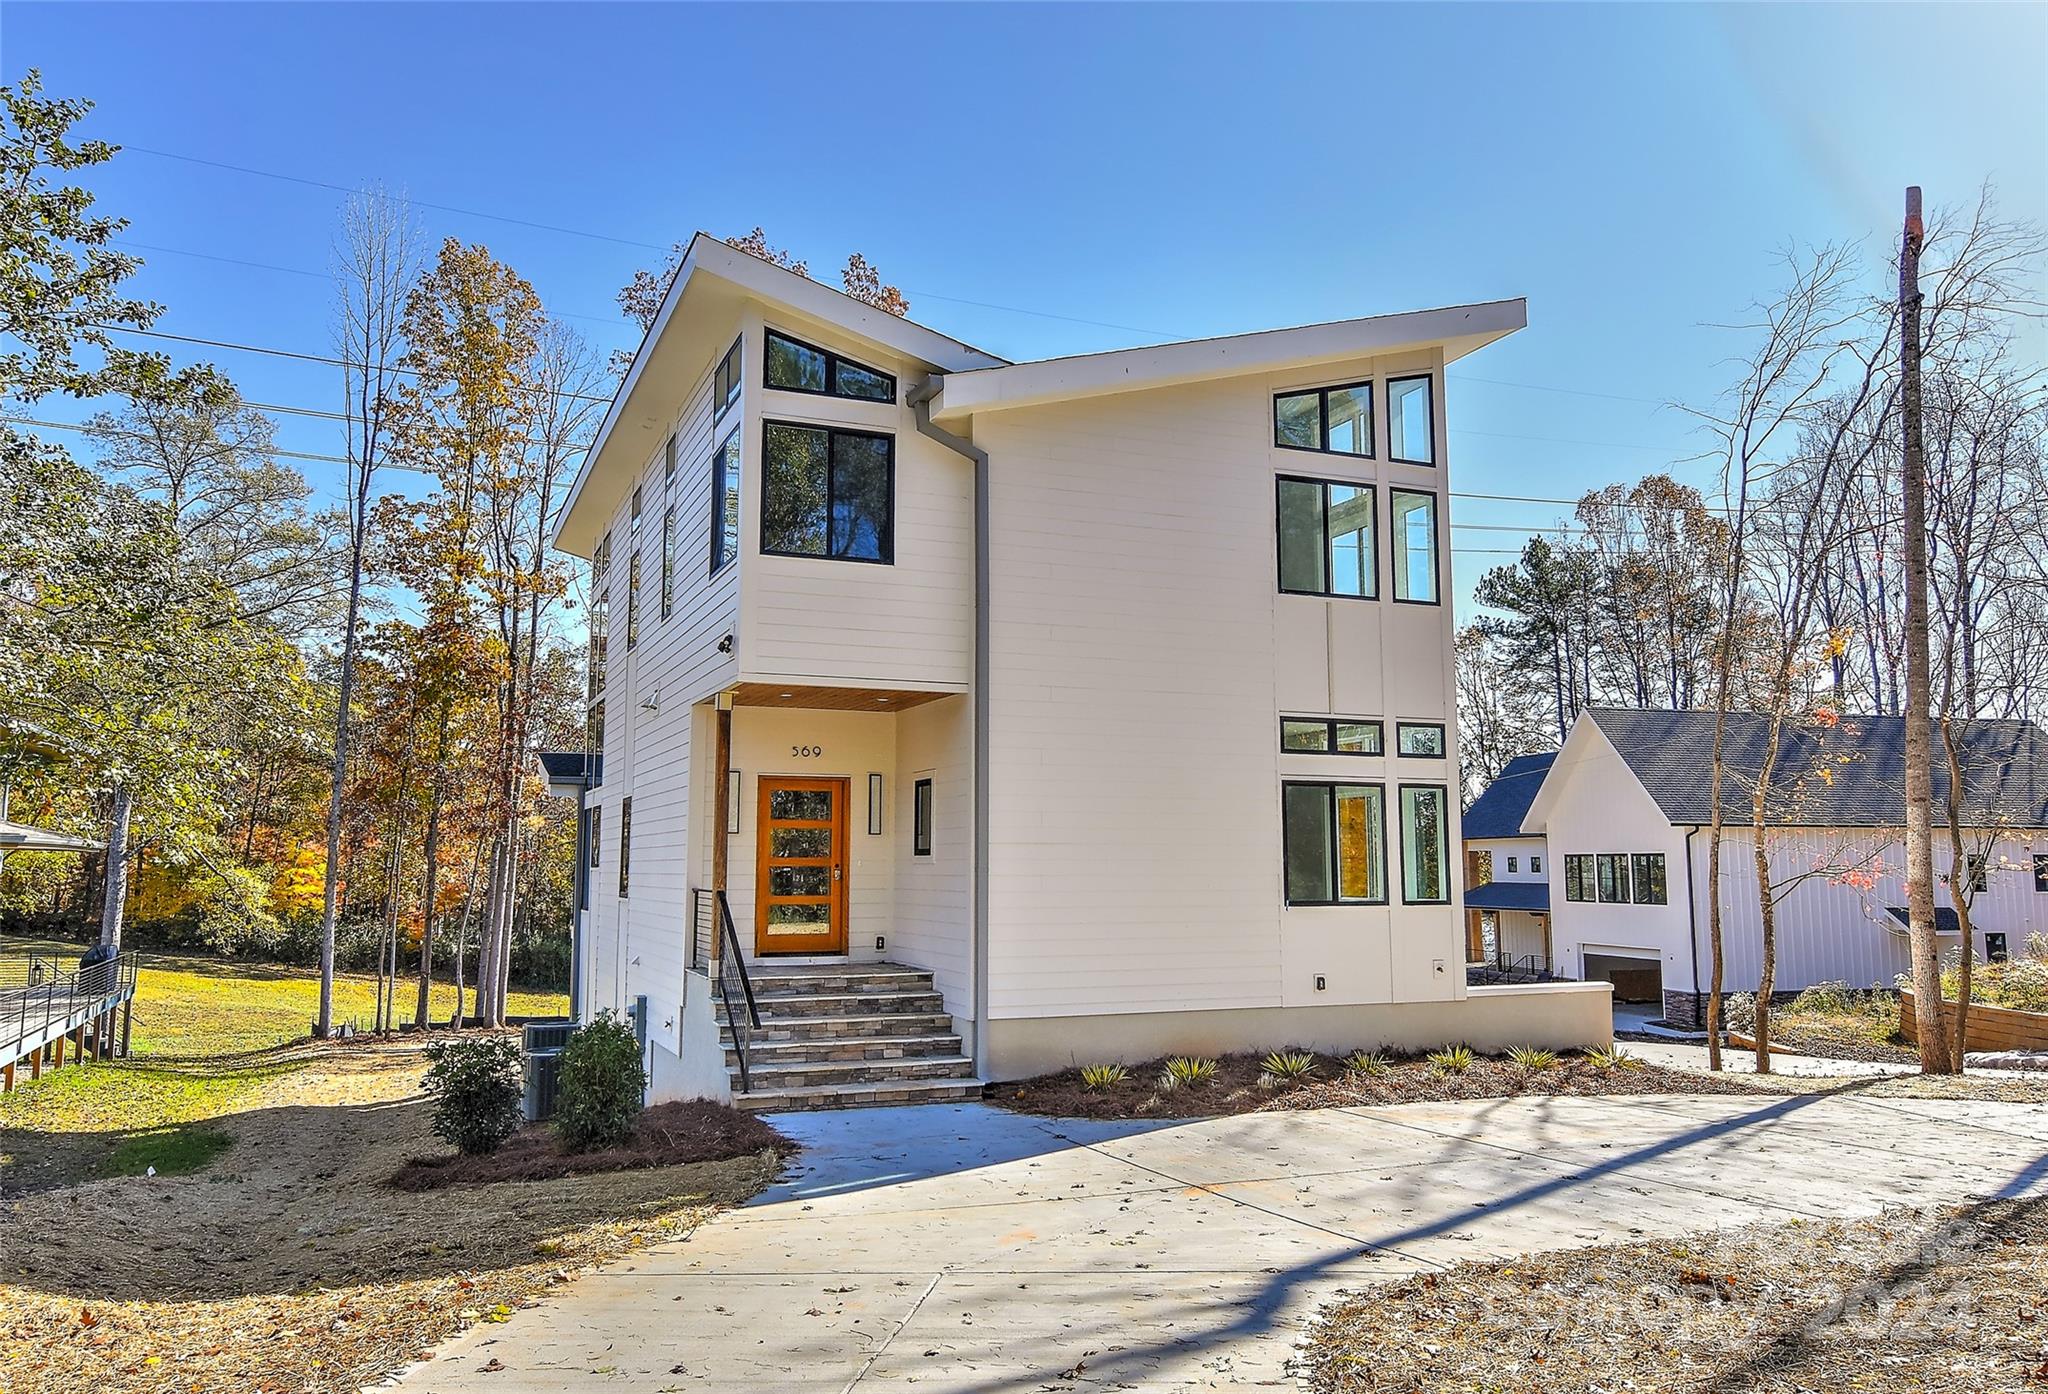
1692 920
919 400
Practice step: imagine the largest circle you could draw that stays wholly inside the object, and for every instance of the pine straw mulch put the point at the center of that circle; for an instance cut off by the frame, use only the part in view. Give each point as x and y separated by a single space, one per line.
1910 1300
292 1266
1240 1087
692 1130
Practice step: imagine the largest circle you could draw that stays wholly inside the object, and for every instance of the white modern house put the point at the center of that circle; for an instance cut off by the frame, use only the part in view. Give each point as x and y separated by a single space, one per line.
1621 819
1507 889
994 717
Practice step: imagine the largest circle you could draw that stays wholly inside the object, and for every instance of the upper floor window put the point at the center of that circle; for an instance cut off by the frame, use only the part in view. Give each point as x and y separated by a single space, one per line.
725 501
1424 739
1578 876
1649 878
2040 872
634 517
1326 538
921 818
1337 420
632 602
1535 863
1302 735
668 464
600 608
1413 525
827 493
1425 846
1511 865
1334 843
725 383
795 366
1411 420
1613 876
625 845
668 560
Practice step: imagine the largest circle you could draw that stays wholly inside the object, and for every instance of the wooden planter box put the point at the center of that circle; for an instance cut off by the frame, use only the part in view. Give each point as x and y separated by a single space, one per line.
1991 1028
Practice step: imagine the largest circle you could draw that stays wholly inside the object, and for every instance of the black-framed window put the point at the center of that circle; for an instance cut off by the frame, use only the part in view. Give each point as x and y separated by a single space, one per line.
725 501
921 818
1425 844
596 834
1977 867
1411 523
1535 864
668 560
1326 538
1511 866
1334 420
791 365
1319 735
593 741
1613 877
1578 876
625 844
2040 871
725 382
1411 420
1649 879
1334 843
827 493
633 601
600 612
1419 740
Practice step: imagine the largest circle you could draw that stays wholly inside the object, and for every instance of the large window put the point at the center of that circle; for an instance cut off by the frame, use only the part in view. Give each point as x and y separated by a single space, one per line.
1336 420
625 844
1326 538
1649 878
1411 421
1425 854
1578 876
725 501
1335 843
1613 872
1413 525
827 493
921 818
1317 735
1420 739
725 383
795 366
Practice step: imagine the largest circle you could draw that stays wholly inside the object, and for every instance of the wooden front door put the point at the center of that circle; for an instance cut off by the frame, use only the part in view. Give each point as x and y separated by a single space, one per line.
800 886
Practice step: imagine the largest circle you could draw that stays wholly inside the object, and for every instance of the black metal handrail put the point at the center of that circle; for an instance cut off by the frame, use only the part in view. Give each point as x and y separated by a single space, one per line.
50 995
733 980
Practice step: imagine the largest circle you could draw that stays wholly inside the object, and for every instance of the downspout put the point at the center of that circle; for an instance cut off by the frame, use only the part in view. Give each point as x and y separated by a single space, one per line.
919 400
1692 920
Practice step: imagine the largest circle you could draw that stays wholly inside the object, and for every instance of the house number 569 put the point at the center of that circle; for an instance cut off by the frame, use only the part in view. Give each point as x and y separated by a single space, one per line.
807 752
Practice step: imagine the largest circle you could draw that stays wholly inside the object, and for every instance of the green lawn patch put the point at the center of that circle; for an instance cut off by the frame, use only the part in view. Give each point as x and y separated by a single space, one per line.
167 1151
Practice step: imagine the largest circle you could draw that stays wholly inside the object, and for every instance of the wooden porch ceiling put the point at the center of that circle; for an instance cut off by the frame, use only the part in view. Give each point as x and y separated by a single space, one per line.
838 699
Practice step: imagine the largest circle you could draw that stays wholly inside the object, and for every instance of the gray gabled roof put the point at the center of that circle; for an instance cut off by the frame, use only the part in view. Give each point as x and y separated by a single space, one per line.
1508 895
1499 811
1849 774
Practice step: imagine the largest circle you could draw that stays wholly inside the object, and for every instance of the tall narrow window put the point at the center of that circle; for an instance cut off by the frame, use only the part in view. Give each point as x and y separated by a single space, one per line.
725 501
795 366
600 610
1413 524
1334 843
1411 421
1613 873
827 493
921 818
1325 534
633 602
596 834
725 383
1425 856
1335 420
1578 876
1649 878
668 560
625 843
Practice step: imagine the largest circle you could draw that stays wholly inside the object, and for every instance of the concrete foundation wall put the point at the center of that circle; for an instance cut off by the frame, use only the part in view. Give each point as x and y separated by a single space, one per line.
699 1071
1553 1015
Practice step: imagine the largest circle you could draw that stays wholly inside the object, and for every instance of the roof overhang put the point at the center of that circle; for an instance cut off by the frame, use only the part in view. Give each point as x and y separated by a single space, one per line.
1457 330
693 327
23 837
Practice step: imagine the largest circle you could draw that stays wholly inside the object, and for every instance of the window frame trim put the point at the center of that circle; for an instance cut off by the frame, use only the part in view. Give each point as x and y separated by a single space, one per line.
769 422
1330 786
1322 394
1372 492
1443 844
1443 739
923 815
1635 887
625 847
722 405
1436 544
1330 725
1429 378
719 564
833 358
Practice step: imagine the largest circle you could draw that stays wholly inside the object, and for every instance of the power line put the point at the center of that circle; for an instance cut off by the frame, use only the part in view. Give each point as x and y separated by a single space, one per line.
86 430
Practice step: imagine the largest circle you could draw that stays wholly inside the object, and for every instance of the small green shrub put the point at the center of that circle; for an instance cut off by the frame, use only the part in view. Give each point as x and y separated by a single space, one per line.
1614 1058
476 1086
1103 1076
1287 1067
2020 983
1738 1013
1370 1063
1187 1072
1451 1060
1531 1058
602 1085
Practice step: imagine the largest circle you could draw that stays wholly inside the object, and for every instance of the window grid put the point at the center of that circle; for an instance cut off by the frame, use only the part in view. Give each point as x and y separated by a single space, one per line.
1340 861
1366 566
1340 735
1425 882
833 365
1351 392
885 539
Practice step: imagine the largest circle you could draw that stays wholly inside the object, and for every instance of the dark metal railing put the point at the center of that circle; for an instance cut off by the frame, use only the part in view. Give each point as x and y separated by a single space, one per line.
1524 968
729 961
37 993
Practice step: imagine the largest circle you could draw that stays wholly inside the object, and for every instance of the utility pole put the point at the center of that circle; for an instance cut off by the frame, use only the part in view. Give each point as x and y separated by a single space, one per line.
1934 1052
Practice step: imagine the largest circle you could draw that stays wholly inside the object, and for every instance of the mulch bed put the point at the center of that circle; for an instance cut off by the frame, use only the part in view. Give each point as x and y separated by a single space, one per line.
694 1130
1240 1088
1909 1300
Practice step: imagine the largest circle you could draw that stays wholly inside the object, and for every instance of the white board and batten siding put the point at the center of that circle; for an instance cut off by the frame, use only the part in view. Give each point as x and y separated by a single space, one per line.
1141 658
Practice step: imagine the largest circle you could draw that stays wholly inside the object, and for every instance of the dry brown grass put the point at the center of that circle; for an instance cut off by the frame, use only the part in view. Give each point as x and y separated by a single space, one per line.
673 1134
291 1264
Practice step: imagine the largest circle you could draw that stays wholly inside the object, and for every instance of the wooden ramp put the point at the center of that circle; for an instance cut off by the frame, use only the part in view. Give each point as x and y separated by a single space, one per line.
51 1008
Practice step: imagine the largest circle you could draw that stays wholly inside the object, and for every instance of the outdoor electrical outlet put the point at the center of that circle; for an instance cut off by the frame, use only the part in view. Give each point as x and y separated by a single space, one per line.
1321 982
1438 965
878 943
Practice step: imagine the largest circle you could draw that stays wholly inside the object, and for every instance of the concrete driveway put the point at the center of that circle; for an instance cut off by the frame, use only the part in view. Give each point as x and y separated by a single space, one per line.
963 1248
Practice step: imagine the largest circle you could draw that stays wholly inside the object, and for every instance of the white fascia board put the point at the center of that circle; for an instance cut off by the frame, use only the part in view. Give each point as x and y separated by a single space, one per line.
1458 329
1584 740
664 366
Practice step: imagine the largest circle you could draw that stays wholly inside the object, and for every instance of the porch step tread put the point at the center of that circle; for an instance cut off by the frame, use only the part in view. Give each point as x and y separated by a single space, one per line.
916 1067
844 1028
937 1043
864 1095
841 1003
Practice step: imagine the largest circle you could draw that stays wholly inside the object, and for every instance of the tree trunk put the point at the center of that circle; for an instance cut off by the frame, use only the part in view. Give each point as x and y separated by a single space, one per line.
115 898
1934 1055
1961 887
324 1022
432 889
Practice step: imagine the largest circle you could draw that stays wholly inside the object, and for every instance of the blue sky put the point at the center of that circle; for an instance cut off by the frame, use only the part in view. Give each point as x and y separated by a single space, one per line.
1130 174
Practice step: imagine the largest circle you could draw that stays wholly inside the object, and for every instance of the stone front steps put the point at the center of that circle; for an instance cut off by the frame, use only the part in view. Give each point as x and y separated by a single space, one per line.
842 1035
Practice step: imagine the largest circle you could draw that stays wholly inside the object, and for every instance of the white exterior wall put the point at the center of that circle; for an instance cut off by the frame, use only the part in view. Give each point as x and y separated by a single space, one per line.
934 915
1517 933
1142 656
1521 849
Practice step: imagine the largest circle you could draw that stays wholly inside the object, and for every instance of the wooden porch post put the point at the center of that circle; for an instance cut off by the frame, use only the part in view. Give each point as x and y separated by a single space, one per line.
722 815
127 1019
63 1037
7 1079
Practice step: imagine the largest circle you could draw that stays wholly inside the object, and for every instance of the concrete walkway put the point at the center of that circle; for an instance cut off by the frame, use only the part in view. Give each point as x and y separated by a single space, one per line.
962 1248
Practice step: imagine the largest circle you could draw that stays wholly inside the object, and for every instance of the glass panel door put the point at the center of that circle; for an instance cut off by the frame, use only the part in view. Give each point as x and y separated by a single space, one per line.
800 890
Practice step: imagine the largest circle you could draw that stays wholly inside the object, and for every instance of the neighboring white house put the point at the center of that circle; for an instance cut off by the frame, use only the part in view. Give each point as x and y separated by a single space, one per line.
1507 889
1624 817
1110 696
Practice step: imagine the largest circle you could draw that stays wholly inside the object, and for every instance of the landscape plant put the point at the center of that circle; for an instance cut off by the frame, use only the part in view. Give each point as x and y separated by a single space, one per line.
1187 1071
1287 1067
1533 1058
476 1085
1370 1063
1103 1076
602 1085
1451 1060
